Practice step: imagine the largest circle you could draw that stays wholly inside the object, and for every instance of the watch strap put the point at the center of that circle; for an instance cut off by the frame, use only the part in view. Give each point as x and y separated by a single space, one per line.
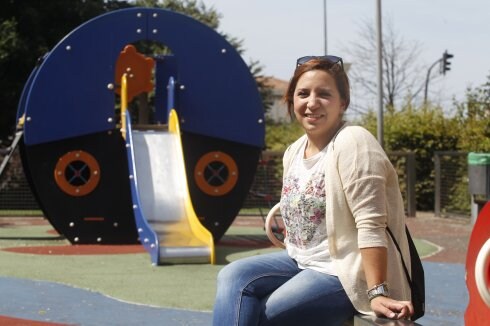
378 290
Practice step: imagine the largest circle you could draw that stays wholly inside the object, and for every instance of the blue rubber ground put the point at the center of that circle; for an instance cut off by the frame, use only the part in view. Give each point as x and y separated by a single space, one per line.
446 297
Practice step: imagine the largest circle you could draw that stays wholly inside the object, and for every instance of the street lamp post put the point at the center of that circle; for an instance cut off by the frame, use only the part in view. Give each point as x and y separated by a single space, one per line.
325 27
379 45
427 80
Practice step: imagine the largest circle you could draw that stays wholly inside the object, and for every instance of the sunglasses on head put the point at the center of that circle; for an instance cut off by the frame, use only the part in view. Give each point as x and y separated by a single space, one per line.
332 58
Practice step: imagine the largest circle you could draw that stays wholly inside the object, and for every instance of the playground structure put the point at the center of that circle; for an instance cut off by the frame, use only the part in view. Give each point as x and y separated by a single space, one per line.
478 271
174 184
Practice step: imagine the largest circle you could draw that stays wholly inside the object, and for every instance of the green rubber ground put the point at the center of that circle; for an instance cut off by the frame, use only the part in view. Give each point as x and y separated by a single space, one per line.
129 277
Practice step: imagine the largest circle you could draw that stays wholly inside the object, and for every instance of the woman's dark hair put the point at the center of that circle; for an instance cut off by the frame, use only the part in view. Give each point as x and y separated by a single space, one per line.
333 69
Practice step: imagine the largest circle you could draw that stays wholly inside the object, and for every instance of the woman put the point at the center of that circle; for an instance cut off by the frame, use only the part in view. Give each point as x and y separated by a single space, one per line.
340 193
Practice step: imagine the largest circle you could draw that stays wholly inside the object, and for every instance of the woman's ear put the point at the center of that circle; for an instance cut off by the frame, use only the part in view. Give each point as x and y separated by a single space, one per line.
343 106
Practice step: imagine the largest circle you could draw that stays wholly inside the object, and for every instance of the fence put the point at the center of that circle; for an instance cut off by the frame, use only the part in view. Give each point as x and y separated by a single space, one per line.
450 168
15 192
451 195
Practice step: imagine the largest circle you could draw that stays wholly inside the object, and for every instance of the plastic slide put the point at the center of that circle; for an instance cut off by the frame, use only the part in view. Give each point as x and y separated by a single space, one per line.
161 198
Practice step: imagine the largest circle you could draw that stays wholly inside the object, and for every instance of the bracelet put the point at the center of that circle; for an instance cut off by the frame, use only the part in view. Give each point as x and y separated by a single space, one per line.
378 290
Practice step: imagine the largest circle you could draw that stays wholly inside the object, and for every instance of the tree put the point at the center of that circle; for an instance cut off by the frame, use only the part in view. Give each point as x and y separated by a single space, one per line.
473 117
402 76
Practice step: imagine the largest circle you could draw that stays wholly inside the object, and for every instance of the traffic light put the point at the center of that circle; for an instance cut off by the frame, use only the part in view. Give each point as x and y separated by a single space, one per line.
446 65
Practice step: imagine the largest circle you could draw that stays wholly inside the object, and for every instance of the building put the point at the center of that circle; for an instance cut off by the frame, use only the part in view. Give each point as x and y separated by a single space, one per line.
278 111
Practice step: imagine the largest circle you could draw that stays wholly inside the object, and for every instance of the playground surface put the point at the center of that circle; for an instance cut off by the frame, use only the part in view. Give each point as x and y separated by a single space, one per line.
46 281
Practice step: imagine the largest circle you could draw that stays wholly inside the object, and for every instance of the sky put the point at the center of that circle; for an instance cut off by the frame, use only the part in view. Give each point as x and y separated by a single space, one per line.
277 32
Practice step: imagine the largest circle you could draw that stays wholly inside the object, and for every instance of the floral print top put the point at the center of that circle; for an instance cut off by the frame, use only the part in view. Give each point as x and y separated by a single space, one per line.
303 211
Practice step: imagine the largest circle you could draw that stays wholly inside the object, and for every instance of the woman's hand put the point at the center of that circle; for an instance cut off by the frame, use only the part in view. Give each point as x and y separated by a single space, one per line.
390 308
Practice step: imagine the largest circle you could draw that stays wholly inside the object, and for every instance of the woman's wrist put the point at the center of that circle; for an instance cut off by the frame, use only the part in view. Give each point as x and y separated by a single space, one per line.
378 291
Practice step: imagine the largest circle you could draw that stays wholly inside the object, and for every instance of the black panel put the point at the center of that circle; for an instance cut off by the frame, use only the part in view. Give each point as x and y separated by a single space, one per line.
105 215
218 212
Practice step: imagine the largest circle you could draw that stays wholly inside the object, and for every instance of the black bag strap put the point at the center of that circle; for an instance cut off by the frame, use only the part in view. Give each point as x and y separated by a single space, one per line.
401 256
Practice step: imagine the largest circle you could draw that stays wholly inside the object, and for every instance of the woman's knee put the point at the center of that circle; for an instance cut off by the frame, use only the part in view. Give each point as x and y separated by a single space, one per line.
233 274
230 272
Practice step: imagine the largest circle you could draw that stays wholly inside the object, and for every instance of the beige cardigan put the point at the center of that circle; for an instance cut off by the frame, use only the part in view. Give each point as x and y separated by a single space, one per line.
362 198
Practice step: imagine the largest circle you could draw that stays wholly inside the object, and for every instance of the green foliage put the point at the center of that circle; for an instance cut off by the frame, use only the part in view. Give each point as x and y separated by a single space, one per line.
422 131
192 8
473 119
8 38
279 136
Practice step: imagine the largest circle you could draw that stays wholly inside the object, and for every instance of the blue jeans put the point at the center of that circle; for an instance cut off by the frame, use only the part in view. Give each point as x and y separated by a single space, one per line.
271 290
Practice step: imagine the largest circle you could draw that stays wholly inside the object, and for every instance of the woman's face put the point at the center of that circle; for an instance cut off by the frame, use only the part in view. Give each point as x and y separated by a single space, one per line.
317 104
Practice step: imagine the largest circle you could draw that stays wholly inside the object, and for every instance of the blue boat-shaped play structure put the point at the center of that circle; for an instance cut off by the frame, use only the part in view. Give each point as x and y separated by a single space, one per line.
175 181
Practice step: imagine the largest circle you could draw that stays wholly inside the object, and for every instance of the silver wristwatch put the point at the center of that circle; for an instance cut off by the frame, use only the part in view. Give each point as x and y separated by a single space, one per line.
378 290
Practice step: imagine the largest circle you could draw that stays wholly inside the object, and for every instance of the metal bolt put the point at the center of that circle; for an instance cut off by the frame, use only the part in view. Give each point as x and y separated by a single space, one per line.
68 48
155 31
99 239
109 119
110 86
261 121
28 118
139 15
140 230
155 15
135 206
223 51
71 224
76 239
138 31
115 224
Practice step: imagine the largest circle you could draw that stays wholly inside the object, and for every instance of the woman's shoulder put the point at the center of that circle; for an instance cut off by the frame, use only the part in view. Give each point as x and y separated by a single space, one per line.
293 148
354 134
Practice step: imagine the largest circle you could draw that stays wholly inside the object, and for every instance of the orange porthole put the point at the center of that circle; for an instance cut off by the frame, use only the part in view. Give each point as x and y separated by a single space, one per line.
77 173
216 173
